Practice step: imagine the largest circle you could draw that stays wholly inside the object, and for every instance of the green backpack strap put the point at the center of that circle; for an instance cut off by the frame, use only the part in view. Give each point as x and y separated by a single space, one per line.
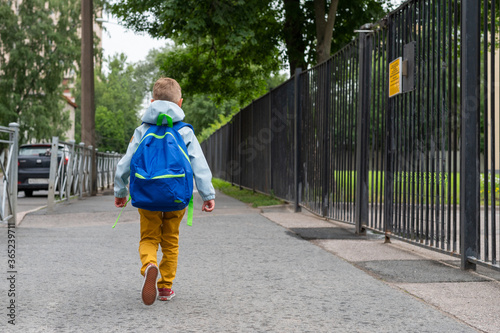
121 211
190 212
159 121
170 123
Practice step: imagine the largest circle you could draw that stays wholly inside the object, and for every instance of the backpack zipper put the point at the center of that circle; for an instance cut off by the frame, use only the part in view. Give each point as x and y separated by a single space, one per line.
162 137
160 177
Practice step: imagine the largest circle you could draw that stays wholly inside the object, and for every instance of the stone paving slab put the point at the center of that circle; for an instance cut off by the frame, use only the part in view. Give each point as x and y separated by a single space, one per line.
324 233
430 276
475 302
418 271
364 250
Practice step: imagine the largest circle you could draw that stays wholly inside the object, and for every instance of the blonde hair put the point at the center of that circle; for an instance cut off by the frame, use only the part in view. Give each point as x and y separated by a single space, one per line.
167 89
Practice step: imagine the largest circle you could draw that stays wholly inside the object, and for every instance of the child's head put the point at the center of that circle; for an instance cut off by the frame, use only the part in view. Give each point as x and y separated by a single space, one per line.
167 89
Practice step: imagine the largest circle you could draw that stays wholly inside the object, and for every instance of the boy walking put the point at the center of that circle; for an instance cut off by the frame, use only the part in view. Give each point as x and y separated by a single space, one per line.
162 227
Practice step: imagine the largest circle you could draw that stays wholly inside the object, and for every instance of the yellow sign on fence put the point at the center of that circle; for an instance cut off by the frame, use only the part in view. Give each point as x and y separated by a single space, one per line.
395 82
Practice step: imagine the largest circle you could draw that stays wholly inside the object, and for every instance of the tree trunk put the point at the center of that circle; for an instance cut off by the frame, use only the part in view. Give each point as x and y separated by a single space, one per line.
324 28
292 30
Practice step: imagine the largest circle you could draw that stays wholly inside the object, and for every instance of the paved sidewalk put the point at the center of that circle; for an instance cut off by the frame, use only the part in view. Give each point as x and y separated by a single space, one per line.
240 270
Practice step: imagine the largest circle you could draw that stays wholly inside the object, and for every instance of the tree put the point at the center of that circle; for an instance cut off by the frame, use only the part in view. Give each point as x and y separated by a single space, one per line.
39 43
118 98
202 111
36 48
315 29
228 48
147 71
324 27
224 48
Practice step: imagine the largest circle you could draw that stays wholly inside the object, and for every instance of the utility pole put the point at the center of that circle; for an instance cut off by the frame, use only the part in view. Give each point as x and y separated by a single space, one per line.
87 73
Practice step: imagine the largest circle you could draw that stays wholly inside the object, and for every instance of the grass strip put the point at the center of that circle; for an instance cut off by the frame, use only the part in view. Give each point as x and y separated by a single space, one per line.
244 195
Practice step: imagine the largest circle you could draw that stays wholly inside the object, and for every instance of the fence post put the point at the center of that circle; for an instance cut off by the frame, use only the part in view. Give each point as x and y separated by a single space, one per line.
271 187
363 118
92 171
296 143
231 151
80 169
252 138
469 171
240 159
326 139
108 170
69 168
13 174
389 149
99 178
52 174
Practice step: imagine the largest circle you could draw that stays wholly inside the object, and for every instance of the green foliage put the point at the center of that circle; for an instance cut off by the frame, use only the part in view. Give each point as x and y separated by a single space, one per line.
146 72
217 116
247 196
299 27
351 15
118 98
274 81
39 44
201 73
36 48
225 49
207 131
202 112
110 131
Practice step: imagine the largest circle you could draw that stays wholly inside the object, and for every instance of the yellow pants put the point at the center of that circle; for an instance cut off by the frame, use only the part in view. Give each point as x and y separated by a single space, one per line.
160 228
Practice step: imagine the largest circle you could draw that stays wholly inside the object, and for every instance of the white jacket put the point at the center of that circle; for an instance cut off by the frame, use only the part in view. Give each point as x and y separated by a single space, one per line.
201 171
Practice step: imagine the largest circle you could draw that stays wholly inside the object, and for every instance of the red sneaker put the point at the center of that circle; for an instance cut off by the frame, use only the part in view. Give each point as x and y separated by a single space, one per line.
165 294
149 289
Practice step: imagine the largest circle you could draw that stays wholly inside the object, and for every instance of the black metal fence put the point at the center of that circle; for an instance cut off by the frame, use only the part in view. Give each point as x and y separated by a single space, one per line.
488 226
420 164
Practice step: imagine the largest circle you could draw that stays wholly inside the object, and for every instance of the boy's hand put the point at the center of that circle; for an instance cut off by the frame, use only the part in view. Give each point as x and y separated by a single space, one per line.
208 206
120 202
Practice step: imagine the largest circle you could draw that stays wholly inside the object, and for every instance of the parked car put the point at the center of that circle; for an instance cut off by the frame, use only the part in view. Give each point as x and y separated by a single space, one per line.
34 166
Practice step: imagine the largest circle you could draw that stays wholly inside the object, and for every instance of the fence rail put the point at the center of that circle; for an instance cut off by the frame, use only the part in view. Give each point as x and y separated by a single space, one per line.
421 165
8 169
70 172
72 175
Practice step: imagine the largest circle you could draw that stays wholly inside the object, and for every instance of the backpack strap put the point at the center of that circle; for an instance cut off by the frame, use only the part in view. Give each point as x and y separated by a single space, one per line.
190 212
180 124
159 121
121 211
177 126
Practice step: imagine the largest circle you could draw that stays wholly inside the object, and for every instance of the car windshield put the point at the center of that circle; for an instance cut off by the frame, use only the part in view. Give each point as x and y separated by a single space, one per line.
37 151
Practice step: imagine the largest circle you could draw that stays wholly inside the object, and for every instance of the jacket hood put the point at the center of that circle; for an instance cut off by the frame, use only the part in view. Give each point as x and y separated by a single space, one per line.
158 107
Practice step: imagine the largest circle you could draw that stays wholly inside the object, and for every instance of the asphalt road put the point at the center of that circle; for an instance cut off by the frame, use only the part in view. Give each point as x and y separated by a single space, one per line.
25 204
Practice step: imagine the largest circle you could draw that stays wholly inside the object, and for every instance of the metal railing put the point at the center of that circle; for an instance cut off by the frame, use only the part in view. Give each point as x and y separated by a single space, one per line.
421 165
8 168
417 133
70 172
106 169
71 176
488 182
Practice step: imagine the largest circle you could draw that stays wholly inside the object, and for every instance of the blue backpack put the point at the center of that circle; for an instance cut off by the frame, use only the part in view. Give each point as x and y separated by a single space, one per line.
161 177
